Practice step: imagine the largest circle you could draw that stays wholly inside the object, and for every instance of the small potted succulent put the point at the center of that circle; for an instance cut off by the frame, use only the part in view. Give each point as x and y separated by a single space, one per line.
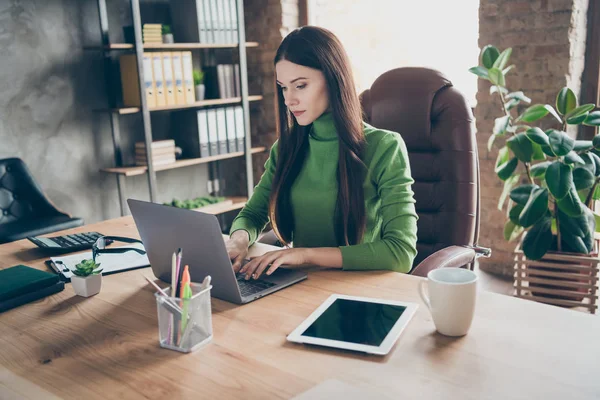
199 84
87 278
167 35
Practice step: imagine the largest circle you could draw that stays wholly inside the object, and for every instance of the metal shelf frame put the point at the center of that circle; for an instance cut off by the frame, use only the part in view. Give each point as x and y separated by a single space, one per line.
138 47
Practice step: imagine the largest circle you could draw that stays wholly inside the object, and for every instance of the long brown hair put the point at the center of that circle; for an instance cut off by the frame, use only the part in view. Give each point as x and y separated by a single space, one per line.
318 48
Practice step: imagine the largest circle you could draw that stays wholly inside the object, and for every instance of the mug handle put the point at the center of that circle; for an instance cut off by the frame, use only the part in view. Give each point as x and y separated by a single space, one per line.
424 297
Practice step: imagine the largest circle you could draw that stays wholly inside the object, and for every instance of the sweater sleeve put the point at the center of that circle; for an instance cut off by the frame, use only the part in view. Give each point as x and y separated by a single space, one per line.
255 215
396 248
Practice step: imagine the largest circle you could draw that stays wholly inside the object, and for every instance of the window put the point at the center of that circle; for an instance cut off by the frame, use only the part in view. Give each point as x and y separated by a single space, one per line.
380 35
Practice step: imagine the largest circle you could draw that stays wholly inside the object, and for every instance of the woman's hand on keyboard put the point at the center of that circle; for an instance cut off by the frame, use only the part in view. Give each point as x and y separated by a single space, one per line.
237 248
273 260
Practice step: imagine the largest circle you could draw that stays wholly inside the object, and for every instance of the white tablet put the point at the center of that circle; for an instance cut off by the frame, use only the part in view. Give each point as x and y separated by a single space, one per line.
355 323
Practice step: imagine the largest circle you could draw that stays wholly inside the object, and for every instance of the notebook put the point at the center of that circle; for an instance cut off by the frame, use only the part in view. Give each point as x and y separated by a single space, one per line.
22 284
110 263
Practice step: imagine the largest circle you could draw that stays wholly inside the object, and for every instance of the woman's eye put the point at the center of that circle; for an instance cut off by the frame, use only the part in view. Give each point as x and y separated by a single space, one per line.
300 87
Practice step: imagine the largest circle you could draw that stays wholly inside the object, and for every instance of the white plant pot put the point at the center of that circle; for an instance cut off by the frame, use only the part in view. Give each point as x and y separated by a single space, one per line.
200 92
88 286
168 38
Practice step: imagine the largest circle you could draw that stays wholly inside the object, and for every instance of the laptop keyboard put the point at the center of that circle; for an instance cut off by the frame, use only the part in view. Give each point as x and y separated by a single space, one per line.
250 287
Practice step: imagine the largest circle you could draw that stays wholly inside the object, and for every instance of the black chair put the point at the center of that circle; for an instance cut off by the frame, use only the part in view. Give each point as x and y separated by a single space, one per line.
24 209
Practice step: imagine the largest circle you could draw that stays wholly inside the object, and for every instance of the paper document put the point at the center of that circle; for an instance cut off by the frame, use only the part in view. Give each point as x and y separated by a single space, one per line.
109 262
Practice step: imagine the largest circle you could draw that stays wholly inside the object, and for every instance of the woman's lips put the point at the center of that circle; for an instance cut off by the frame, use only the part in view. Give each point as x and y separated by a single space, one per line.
297 113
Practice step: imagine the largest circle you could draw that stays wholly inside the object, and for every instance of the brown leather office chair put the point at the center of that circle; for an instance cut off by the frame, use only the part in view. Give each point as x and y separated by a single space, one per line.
435 121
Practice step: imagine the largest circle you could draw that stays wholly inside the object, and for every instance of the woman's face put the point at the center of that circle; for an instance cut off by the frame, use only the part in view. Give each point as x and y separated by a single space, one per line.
304 90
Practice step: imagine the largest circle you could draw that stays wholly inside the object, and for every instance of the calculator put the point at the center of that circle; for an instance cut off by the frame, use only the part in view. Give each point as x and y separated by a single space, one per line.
68 243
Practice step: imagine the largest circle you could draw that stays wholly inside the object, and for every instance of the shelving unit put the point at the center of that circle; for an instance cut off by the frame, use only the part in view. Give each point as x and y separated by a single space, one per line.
122 171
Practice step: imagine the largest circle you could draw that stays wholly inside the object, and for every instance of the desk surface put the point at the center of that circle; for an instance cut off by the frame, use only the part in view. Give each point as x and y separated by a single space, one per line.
106 346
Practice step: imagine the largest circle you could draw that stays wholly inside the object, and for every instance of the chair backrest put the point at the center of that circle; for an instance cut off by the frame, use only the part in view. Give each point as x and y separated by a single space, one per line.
436 123
20 196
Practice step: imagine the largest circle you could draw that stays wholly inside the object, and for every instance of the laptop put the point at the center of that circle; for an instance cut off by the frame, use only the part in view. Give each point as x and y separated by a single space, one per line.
163 229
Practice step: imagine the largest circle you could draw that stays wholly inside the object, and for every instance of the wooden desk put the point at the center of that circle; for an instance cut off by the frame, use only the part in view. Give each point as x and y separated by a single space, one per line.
106 347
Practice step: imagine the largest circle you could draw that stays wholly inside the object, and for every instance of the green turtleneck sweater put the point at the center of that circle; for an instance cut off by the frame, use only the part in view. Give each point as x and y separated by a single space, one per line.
391 231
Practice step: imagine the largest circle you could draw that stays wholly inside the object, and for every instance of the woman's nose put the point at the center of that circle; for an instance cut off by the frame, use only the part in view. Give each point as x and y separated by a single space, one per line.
290 100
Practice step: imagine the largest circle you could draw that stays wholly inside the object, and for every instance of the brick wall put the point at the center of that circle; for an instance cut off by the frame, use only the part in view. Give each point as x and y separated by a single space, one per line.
548 41
267 22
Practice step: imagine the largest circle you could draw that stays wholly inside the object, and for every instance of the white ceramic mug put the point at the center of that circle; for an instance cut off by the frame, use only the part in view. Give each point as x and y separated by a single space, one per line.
451 300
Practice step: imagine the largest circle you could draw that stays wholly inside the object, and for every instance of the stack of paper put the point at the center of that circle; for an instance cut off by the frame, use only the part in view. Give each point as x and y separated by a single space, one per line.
163 152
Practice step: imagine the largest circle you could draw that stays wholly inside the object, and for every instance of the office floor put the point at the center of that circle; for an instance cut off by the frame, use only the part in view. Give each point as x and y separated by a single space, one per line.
504 285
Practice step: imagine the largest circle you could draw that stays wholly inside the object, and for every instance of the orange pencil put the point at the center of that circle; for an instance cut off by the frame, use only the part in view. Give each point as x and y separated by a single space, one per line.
185 278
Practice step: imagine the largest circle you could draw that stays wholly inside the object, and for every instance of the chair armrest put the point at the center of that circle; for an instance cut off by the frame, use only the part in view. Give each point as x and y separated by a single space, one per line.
269 238
449 257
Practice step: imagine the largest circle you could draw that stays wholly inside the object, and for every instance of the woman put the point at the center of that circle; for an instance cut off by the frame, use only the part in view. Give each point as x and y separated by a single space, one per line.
337 187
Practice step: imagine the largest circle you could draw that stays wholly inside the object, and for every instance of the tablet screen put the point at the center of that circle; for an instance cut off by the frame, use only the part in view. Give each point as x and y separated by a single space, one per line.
355 322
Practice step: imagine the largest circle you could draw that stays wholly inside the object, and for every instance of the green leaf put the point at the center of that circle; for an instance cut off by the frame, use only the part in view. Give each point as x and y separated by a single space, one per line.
565 101
494 89
536 207
512 231
596 195
583 145
503 156
533 113
507 69
577 232
578 119
592 119
559 179
552 111
496 77
548 151
520 194
538 171
584 109
515 212
596 142
490 142
597 221
538 239
500 125
480 72
571 204
508 185
560 142
521 146
509 105
574 158
538 153
590 162
583 178
596 160
502 59
518 96
505 170
538 136
489 55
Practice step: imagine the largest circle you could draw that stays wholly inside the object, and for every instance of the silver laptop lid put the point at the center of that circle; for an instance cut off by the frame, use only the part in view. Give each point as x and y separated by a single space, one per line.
163 229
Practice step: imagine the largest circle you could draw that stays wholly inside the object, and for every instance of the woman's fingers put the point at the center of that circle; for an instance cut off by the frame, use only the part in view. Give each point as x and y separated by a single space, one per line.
237 264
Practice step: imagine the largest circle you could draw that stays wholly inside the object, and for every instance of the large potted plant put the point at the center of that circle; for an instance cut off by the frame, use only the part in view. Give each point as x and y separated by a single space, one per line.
550 179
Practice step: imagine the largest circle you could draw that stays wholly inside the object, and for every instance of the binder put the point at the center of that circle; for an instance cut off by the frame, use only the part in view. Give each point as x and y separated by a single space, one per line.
190 129
202 119
157 71
231 130
221 78
130 82
240 128
234 21
213 139
222 130
168 78
188 79
178 78
236 81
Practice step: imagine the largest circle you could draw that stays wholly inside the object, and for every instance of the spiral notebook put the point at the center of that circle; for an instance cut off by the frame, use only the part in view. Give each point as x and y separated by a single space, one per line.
110 263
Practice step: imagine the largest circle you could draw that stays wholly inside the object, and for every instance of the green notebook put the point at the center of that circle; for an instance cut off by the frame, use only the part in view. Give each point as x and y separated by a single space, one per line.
21 281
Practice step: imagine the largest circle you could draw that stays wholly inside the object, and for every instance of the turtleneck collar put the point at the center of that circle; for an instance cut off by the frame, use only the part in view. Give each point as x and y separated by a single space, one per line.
323 128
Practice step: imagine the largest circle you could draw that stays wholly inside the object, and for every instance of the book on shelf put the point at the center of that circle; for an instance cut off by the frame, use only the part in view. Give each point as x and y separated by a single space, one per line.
130 82
157 144
167 67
